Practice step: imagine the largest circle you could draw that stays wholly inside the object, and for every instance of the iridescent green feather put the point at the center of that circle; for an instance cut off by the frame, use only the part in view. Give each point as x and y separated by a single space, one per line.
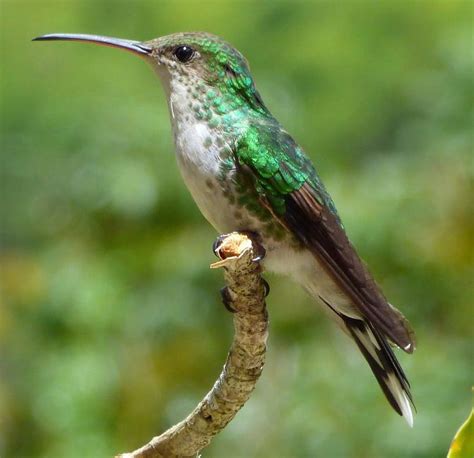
227 69
279 165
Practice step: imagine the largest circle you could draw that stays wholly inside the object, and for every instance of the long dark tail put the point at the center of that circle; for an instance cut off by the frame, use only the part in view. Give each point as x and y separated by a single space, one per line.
382 361
384 365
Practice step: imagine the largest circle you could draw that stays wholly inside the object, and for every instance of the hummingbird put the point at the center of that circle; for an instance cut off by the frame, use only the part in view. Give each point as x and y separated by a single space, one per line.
246 173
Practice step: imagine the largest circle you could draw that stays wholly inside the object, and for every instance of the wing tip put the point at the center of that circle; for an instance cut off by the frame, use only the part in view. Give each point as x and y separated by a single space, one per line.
403 335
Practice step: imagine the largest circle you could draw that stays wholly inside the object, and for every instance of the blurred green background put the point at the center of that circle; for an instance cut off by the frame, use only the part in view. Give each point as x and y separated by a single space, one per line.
111 327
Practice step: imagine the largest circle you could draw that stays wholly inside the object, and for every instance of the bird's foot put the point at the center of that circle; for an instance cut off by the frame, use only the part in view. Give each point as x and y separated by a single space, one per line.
227 299
266 286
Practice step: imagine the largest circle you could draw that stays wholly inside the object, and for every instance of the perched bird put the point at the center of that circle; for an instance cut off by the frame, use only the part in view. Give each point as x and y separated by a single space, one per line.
246 173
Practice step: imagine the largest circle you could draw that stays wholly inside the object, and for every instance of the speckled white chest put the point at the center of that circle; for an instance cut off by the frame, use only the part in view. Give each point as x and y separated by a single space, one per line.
198 157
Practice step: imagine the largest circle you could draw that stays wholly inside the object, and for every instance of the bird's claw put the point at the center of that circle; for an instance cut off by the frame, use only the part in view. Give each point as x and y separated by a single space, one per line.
257 245
227 299
217 243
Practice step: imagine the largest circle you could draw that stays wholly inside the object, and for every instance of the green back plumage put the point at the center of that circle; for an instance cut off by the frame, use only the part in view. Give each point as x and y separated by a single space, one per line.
279 165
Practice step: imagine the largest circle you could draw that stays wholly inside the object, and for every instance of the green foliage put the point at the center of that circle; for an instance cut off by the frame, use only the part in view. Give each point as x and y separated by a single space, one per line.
463 442
111 327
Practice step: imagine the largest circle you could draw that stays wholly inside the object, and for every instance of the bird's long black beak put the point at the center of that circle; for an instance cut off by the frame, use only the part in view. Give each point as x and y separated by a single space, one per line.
129 45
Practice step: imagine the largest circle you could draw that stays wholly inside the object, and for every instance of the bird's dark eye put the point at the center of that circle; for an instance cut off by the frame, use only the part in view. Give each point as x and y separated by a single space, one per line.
184 53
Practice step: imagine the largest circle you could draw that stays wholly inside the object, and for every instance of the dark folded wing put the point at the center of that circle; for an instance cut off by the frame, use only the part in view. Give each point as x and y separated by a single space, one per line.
290 188
319 229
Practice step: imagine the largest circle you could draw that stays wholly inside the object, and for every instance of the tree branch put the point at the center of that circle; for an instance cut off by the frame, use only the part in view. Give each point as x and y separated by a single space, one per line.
244 295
